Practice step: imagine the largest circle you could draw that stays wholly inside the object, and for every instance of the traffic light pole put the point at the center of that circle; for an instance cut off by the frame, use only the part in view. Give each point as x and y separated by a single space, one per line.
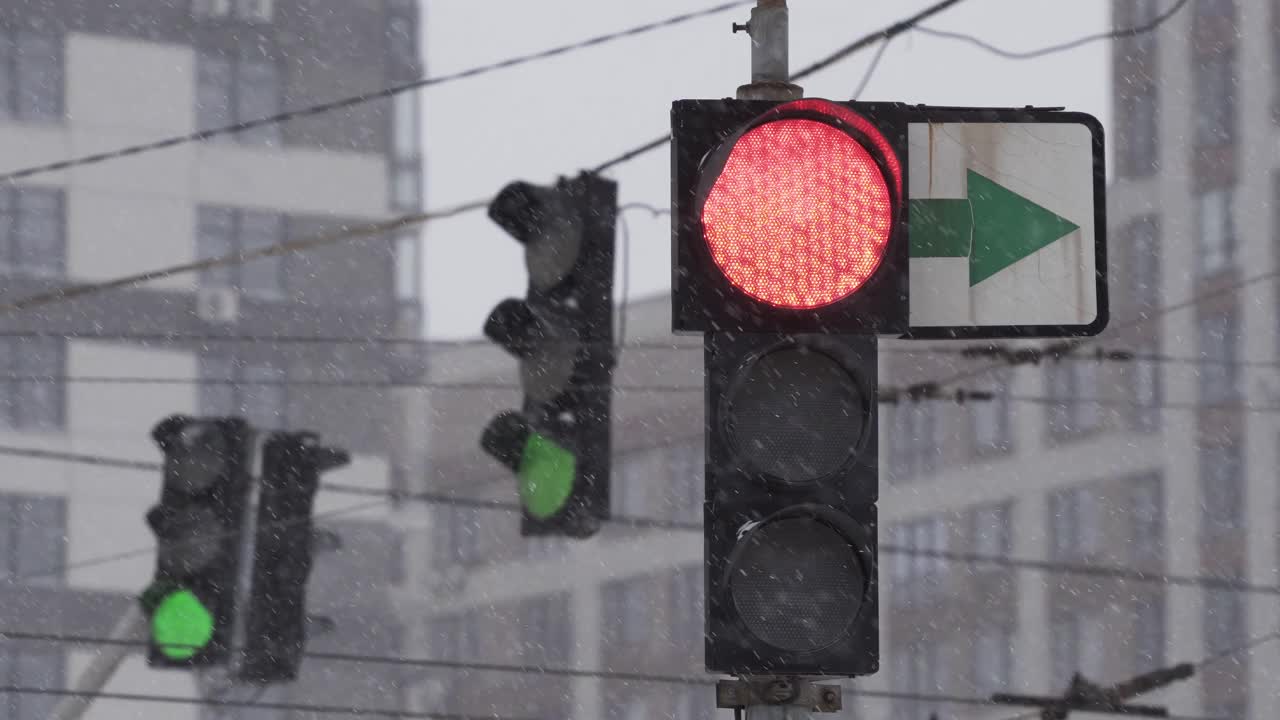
132 626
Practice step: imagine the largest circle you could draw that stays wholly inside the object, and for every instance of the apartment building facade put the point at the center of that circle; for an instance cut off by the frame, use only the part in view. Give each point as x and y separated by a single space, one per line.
1161 464
91 376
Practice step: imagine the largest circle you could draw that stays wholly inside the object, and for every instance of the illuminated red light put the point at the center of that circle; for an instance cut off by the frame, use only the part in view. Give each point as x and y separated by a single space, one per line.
800 215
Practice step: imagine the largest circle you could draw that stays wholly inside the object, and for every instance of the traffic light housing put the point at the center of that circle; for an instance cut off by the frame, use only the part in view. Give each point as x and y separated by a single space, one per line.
790 514
191 602
790 255
787 217
558 443
276 616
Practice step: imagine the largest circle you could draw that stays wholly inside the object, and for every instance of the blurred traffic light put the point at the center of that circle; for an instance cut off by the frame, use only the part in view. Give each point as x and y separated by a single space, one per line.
558 443
276 617
787 217
198 525
791 256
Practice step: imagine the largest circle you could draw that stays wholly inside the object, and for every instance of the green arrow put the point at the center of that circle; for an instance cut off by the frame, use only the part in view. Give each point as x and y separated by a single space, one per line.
995 227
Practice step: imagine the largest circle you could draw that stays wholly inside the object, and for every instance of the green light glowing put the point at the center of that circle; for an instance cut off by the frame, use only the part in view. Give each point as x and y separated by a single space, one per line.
547 472
181 625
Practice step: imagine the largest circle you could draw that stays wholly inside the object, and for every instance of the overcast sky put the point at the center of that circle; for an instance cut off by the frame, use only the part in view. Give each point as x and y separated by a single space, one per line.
561 115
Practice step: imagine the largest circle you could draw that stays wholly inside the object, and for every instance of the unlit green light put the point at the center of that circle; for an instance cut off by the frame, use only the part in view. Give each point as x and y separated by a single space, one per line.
547 471
181 625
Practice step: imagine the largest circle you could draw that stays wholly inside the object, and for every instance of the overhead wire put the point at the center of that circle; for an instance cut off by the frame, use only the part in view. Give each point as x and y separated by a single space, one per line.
1155 23
638 522
530 669
362 98
886 33
259 704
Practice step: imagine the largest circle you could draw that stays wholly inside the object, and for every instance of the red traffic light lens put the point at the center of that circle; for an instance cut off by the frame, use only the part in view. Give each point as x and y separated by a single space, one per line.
800 215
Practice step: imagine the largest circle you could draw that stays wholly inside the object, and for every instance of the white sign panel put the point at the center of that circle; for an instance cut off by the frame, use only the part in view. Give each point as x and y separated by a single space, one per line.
1007 227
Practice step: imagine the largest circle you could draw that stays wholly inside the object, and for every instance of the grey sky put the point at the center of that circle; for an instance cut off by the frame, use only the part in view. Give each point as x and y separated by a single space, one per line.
558 116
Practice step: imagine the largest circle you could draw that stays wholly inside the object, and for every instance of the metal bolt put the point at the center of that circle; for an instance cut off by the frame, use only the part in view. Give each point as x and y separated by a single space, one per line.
779 691
742 27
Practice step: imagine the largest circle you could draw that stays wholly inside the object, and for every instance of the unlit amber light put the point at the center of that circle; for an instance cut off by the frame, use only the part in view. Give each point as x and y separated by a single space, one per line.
800 215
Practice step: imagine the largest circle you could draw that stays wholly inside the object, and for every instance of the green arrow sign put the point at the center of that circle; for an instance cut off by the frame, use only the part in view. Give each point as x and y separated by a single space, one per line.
995 228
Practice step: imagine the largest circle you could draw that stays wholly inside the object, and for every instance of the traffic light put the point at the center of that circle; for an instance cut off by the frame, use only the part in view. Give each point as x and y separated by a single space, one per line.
558 443
190 603
787 217
790 255
276 617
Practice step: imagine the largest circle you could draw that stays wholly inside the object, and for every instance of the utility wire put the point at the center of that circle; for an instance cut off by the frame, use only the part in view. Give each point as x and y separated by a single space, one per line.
381 228
363 98
262 705
446 499
1070 45
59 570
887 33
526 669
871 68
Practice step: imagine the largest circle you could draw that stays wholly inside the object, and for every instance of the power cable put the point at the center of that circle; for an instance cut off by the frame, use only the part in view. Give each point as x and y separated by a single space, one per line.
1071 345
886 33
387 226
446 499
59 570
526 669
363 98
871 68
352 383
261 705
1070 45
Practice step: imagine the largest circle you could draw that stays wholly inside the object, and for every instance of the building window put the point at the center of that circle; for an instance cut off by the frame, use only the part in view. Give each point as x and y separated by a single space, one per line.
687 620
1142 238
1075 523
1219 370
990 533
457 536
32 232
1215 217
1223 621
1148 633
1073 396
1216 91
1146 542
224 231
628 611
406 153
545 632
234 88
684 496
1221 489
31 76
33 538
916 575
32 388
1147 385
1076 645
992 659
917 670
913 446
30 669
254 391
640 472
1139 136
992 432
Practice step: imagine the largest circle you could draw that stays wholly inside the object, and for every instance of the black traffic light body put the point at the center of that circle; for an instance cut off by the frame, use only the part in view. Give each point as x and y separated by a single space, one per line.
558 443
199 525
276 616
790 514
704 298
790 255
